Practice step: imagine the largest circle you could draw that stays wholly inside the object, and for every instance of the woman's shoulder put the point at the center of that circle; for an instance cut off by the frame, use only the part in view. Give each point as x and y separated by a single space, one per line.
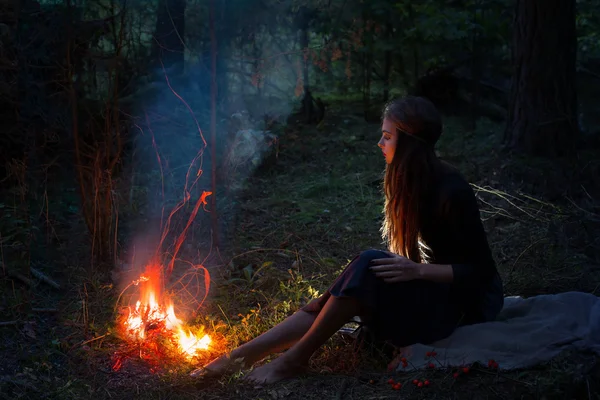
453 189
451 181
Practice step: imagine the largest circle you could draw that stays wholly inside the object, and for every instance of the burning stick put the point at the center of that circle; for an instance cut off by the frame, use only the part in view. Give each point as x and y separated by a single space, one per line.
180 239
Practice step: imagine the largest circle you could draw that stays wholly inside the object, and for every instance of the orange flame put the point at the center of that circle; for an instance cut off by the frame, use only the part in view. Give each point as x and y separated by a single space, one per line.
154 311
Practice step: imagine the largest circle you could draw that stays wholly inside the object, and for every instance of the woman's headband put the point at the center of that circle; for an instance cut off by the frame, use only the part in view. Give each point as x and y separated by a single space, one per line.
420 139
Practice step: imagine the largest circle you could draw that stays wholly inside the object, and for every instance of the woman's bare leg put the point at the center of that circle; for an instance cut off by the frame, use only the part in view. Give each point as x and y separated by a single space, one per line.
336 312
281 337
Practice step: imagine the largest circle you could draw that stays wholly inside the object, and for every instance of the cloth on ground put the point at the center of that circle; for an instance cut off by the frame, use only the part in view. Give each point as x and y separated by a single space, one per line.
527 332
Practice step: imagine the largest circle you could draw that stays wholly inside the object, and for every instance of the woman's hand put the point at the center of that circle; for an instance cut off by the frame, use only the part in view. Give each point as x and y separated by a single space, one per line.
396 269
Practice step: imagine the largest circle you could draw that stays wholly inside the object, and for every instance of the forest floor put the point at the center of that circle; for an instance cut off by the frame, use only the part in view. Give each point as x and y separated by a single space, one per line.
299 221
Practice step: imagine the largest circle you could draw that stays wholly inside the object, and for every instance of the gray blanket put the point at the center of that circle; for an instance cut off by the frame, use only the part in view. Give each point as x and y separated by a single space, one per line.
527 332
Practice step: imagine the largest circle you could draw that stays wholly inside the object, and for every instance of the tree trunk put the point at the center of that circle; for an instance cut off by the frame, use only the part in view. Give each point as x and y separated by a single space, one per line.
543 100
367 68
307 102
168 35
223 37
213 126
475 68
387 63
256 68
415 47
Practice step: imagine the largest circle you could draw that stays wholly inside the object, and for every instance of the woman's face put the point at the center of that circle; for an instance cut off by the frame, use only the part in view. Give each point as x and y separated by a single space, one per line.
389 138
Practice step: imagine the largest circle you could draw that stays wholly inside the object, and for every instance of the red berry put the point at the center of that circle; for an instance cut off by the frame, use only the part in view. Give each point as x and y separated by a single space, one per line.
371 381
456 375
415 381
433 354
428 354
391 381
403 359
496 365
404 364
491 363
420 384
426 383
431 365
466 370
397 386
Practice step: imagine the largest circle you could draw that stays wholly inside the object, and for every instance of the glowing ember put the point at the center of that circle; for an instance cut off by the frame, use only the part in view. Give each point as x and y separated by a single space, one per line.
155 312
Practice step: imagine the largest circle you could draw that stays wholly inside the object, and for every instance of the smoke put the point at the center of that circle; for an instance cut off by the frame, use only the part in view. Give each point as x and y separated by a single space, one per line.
170 163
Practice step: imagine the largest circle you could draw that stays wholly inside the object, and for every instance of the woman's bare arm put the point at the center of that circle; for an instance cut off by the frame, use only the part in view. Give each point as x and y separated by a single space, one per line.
437 273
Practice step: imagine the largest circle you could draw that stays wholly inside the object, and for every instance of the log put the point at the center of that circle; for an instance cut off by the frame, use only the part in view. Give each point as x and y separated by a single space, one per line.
44 278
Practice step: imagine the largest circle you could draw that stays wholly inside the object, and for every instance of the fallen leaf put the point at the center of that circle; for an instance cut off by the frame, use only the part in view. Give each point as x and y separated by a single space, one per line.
28 330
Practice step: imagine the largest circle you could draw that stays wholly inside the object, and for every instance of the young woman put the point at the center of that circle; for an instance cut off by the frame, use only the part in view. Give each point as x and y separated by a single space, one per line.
439 273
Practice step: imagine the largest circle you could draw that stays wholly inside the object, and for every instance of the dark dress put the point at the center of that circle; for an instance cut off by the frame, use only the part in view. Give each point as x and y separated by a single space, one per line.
421 311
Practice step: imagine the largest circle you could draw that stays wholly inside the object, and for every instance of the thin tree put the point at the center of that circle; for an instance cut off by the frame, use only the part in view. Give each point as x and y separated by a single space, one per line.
213 125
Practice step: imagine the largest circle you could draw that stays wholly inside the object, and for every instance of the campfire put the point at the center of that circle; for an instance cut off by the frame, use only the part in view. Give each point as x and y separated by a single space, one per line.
154 311
152 330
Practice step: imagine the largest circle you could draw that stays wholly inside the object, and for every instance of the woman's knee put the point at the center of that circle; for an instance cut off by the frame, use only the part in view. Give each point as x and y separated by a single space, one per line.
316 305
363 261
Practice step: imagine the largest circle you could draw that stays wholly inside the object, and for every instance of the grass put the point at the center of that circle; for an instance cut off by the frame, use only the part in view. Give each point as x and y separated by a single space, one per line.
298 222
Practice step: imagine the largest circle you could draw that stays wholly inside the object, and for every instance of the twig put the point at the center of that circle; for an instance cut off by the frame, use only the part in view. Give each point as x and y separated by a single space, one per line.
9 323
94 339
20 383
340 393
44 278
582 209
21 277
503 376
587 382
89 341
225 315
510 199
45 310
512 268
586 192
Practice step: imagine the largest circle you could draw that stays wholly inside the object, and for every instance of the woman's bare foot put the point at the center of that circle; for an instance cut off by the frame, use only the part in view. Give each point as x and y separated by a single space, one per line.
276 370
277 339
225 364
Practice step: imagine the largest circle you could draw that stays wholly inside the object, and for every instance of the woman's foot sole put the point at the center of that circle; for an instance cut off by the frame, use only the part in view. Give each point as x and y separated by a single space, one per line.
275 371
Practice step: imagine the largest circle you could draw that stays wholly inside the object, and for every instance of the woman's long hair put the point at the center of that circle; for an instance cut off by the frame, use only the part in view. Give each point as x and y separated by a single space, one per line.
410 175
